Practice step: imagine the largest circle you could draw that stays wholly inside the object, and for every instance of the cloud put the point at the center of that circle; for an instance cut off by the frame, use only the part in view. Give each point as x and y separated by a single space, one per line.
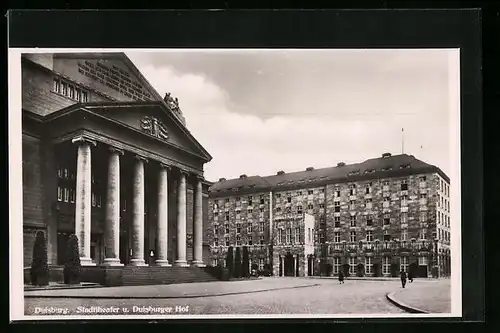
242 142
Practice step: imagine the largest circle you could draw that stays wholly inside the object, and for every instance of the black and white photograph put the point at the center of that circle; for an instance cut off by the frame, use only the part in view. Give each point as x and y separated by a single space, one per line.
235 183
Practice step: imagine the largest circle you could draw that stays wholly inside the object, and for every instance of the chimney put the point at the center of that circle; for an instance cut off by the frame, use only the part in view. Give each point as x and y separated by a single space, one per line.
340 164
310 169
385 155
281 172
222 179
243 176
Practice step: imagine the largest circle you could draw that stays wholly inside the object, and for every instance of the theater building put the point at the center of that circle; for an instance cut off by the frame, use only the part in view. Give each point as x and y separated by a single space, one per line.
377 217
107 158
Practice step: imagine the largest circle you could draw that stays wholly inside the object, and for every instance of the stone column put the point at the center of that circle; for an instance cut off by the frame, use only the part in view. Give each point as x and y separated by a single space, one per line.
181 221
198 224
138 213
282 270
112 228
294 265
83 200
162 225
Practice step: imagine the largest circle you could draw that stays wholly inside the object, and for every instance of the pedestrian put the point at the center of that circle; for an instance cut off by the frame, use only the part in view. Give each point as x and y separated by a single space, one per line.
341 277
403 278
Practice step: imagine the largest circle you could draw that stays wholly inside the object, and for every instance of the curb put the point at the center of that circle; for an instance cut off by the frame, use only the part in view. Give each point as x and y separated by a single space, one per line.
167 297
68 287
390 297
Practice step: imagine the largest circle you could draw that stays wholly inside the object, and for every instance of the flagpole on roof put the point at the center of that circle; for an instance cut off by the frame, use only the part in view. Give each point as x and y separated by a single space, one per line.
402 140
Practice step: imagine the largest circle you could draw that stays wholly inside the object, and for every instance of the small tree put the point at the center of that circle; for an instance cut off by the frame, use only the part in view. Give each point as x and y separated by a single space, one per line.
72 266
246 263
237 263
230 261
39 266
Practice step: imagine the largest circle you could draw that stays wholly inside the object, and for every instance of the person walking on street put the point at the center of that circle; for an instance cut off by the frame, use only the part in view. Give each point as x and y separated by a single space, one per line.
403 278
341 277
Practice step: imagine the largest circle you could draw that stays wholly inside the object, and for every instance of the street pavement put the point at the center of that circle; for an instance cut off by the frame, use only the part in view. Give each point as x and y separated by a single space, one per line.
434 297
267 296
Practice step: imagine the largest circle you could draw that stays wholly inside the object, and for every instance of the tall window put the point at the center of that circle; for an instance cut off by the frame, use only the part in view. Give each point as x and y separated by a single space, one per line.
336 193
404 185
261 240
368 265
386 265
404 217
280 236
227 216
404 235
261 227
299 209
352 265
336 237
385 185
238 228
297 235
369 221
423 216
423 234
368 203
215 262
238 240
288 235
250 228
261 263
353 220
404 264
227 240
336 219
353 236
250 240
336 265
337 206
352 189
369 236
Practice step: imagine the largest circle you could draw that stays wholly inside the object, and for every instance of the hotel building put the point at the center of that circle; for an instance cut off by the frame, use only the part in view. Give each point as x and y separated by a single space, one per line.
371 218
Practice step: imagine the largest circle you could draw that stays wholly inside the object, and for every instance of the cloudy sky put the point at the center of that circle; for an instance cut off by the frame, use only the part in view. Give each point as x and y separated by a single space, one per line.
258 111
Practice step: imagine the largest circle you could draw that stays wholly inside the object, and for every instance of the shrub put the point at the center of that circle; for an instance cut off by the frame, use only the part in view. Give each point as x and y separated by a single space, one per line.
360 270
39 266
230 260
245 264
237 263
72 266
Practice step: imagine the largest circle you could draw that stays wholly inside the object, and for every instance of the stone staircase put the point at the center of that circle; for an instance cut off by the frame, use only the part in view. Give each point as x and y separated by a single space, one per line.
133 276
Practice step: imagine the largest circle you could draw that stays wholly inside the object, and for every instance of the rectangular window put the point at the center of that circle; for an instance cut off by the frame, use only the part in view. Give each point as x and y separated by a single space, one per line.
423 216
352 189
261 227
309 192
336 237
261 263
352 265
368 265
226 226
227 241
353 236
289 199
404 185
404 217
423 234
216 242
250 228
215 262
369 221
404 264
299 209
278 209
261 240
404 235
368 203
238 228
422 261
387 237
387 221
59 194
336 265
321 190
280 236
288 235
64 88
337 206
386 265
238 240
297 235
353 220
337 221
369 236
278 195
310 206
336 193
250 242
227 216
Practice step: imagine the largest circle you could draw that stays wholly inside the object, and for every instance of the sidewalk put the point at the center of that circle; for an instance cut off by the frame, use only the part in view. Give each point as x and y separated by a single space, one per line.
184 290
420 297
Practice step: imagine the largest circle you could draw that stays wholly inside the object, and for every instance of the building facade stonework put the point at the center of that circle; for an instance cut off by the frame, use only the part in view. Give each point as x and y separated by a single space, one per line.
377 217
106 159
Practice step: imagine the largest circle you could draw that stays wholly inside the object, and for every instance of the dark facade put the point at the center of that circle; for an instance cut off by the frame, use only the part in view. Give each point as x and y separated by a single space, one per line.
372 218
103 102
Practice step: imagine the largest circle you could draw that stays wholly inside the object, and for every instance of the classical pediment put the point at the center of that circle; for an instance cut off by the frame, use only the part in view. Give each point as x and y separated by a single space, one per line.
154 120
